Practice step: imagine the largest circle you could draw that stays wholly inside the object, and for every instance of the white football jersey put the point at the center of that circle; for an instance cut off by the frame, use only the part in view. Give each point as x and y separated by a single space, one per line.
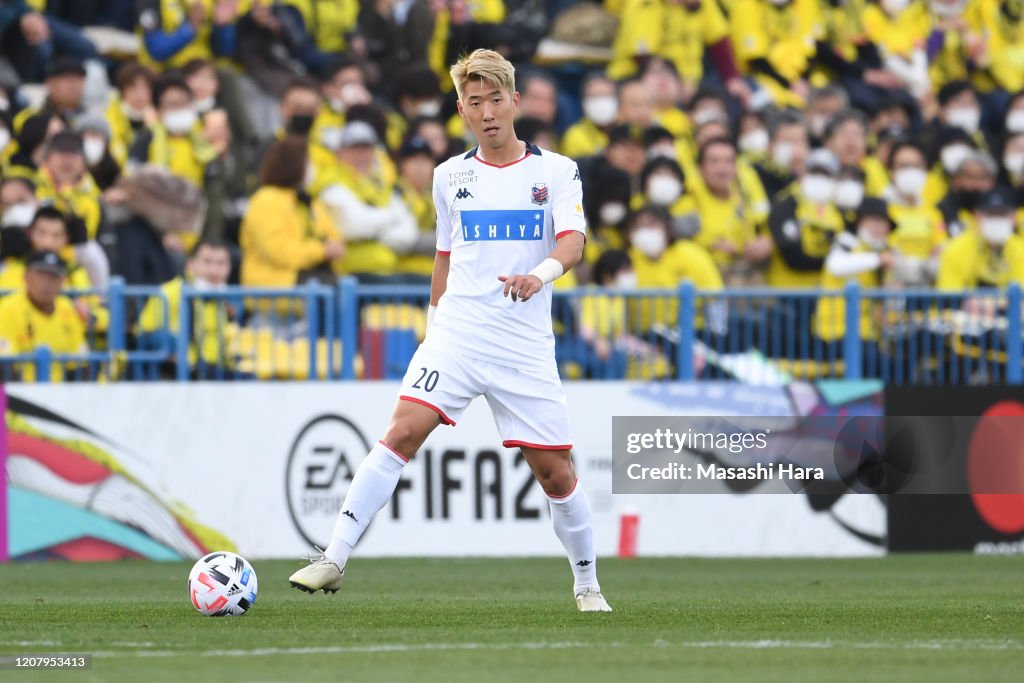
501 220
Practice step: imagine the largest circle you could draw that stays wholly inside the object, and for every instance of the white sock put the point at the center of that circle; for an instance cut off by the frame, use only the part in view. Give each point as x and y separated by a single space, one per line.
374 482
570 516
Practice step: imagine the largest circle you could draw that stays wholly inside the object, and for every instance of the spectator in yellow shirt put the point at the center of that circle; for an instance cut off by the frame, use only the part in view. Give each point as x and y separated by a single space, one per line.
671 29
207 270
729 226
48 231
899 29
973 179
991 256
175 141
342 85
860 256
378 225
286 238
64 180
752 137
1000 24
172 33
919 231
589 135
803 223
846 136
604 346
65 88
775 42
415 182
40 316
660 263
131 110
788 147
823 105
1013 166
17 202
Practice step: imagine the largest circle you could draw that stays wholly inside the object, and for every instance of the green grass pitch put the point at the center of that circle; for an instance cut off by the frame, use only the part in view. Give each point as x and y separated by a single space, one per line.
911 618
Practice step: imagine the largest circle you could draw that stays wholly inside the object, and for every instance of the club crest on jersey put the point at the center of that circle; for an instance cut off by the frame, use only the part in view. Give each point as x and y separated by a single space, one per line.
540 194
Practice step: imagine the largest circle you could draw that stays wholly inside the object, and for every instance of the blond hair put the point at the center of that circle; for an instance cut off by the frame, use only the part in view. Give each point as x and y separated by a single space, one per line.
483 65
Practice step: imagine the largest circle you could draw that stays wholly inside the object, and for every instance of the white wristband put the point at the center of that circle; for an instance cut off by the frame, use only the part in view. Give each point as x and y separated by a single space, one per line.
431 310
548 270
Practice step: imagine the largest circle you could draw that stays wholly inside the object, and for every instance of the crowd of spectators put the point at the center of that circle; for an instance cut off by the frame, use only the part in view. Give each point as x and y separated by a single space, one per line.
776 143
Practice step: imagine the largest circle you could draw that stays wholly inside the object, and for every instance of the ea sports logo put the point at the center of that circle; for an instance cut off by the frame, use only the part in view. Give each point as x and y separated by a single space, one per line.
321 465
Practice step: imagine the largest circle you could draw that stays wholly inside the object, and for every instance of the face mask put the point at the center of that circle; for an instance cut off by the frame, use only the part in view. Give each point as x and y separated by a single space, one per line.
94 148
818 189
754 142
706 115
943 9
5 137
601 110
663 189
336 104
952 156
300 124
18 215
430 108
612 214
996 229
968 199
909 182
849 194
782 154
626 280
330 138
817 124
5 104
650 241
894 7
206 104
132 113
180 121
662 152
964 118
201 285
1015 121
1014 164
309 176
870 241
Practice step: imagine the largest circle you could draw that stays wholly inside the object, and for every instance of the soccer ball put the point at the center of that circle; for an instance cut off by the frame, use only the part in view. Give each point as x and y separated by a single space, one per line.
222 584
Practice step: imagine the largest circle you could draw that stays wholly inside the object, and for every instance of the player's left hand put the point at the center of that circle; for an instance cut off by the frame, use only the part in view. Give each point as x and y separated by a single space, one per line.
521 286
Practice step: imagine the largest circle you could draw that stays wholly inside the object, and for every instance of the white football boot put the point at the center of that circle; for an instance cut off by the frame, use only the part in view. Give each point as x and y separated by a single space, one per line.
590 600
319 574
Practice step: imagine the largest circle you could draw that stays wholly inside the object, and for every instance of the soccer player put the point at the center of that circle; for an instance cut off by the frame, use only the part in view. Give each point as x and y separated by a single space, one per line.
509 222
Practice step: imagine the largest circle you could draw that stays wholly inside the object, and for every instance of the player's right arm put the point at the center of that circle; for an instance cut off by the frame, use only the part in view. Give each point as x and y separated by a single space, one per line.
439 278
443 257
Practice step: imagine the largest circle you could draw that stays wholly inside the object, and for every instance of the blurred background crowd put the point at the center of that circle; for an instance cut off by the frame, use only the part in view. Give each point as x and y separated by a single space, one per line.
730 143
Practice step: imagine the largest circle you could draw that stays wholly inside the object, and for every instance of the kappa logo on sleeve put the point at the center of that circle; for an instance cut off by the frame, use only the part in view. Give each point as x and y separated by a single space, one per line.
463 193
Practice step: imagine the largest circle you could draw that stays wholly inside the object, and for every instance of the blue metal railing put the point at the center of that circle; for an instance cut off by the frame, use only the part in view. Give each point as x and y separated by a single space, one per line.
758 336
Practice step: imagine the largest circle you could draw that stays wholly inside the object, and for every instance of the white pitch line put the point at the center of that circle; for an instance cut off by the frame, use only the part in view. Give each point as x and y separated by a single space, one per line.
961 645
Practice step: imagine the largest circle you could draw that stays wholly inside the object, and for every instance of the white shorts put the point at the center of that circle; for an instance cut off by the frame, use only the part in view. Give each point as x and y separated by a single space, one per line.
528 405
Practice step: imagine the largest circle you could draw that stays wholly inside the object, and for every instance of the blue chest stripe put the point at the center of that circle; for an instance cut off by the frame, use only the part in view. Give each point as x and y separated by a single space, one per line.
497 226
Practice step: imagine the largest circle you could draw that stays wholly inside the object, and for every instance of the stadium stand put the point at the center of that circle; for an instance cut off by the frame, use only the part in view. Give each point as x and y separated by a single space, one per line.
773 187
